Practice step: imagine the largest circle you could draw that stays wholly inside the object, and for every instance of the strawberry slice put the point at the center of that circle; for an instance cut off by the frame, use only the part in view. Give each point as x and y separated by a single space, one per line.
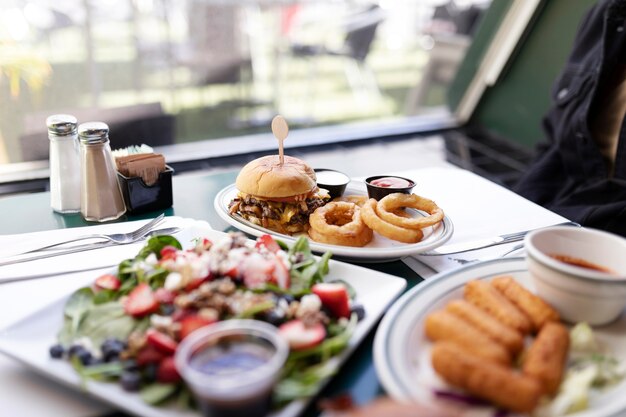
256 270
164 296
167 372
149 354
141 301
108 282
268 242
334 297
162 342
301 337
197 282
191 323
281 274
168 252
233 272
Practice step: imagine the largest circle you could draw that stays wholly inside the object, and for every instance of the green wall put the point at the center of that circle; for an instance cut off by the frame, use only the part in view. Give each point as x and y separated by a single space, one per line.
514 106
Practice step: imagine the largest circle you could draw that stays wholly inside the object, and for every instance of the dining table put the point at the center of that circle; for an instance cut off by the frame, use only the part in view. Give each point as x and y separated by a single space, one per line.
477 208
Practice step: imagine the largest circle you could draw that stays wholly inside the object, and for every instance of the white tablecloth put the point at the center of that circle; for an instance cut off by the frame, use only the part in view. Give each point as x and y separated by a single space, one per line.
478 209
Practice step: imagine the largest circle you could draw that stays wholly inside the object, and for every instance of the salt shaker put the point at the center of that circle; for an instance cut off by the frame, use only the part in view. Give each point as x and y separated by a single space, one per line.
64 163
101 198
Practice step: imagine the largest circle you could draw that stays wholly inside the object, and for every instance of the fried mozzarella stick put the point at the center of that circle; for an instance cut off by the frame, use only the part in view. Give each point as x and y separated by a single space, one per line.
443 325
487 380
511 339
537 310
546 357
485 296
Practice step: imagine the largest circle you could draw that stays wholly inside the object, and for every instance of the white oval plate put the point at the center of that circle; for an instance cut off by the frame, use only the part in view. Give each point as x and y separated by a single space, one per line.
402 351
378 250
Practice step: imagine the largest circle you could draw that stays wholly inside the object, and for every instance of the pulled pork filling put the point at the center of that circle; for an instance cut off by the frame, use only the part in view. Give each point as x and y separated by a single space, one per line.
281 217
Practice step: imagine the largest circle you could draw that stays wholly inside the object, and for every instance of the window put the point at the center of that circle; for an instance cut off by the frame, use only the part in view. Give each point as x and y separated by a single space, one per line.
166 72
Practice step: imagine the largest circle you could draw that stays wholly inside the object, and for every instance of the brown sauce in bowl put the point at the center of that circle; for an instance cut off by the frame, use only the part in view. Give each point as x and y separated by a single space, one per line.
581 263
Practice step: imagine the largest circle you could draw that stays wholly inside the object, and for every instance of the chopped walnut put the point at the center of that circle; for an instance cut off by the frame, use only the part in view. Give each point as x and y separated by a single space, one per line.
225 286
184 301
209 314
292 309
310 318
136 341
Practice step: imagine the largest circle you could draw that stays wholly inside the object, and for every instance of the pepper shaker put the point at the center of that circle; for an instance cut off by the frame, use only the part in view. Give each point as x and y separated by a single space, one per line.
64 163
101 197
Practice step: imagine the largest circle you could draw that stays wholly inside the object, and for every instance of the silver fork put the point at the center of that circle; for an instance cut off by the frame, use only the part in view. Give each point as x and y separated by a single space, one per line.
118 238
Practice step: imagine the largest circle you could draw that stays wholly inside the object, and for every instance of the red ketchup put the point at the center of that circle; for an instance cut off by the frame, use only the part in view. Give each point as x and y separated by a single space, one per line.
391 182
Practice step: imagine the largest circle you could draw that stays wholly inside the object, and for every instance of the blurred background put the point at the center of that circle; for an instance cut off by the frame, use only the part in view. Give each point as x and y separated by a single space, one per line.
166 72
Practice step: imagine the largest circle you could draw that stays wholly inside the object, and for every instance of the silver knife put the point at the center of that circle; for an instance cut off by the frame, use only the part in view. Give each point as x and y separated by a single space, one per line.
7 280
484 243
89 246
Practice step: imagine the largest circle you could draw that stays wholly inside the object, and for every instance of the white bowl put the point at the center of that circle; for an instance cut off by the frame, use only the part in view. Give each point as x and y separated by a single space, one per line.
579 294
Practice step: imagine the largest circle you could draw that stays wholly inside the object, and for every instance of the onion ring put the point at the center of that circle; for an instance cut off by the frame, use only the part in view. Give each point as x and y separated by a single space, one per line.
339 223
391 202
359 200
358 240
390 231
338 217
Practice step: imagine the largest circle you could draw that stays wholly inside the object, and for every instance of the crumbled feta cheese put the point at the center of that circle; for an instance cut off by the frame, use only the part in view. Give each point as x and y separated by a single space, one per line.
160 322
310 303
173 281
151 259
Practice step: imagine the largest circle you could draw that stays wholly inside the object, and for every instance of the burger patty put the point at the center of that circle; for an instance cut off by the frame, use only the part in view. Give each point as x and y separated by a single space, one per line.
286 217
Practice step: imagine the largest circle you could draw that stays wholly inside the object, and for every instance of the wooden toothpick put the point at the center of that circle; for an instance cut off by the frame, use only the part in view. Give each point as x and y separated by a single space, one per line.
280 129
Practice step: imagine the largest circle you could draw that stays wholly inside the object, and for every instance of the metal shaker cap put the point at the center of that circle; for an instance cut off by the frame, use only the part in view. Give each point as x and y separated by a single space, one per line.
93 132
61 124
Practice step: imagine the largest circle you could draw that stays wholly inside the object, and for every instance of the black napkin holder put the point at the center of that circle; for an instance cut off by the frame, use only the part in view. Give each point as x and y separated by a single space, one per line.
142 198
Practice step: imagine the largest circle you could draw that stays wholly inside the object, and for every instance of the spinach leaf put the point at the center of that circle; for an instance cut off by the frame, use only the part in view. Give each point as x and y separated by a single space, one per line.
157 393
156 243
305 270
76 307
301 246
104 321
105 296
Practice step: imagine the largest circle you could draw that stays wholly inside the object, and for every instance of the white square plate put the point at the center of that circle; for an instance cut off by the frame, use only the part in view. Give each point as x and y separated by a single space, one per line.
28 340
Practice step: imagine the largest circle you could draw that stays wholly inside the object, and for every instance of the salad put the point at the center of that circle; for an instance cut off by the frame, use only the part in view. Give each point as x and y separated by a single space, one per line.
126 327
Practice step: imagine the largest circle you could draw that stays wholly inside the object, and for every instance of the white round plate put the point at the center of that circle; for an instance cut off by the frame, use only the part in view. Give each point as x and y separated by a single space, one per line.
378 250
402 351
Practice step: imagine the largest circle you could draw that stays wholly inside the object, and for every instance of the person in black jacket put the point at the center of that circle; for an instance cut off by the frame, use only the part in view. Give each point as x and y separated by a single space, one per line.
580 171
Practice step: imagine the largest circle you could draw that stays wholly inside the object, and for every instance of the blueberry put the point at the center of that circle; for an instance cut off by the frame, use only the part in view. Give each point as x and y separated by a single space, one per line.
75 348
150 371
111 349
167 309
327 311
274 317
359 310
287 297
84 356
113 343
130 380
110 355
57 351
131 365
92 361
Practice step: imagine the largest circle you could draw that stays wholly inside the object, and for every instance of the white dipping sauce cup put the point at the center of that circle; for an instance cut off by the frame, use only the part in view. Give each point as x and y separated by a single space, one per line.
238 392
579 294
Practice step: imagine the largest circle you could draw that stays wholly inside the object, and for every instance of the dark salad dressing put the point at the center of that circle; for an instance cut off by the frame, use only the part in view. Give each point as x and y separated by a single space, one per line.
230 358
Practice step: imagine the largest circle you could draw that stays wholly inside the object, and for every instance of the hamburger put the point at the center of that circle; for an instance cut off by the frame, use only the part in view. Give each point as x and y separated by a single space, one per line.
278 197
